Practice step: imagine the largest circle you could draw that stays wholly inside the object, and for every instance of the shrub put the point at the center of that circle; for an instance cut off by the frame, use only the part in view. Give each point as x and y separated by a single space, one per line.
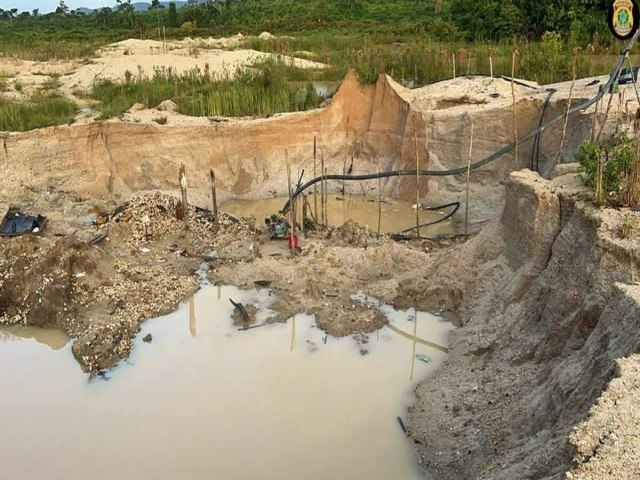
611 170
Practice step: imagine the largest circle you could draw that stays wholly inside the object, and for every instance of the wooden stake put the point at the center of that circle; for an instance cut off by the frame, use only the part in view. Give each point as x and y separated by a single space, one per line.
633 78
322 186
466 209
214 201
415 338
326 197
513 95
183 191
379 196
304 216
291 205
566 115
344 172
491 64
315 185
594 125
415 137
453 56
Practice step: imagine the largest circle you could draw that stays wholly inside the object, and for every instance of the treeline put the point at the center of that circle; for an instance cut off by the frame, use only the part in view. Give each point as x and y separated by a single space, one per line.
437 20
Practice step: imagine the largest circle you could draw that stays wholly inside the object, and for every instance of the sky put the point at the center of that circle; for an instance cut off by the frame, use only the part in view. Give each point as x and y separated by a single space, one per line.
50 5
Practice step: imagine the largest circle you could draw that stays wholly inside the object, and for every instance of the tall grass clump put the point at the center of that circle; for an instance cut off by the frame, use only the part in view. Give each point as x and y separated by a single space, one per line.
264 89
40 111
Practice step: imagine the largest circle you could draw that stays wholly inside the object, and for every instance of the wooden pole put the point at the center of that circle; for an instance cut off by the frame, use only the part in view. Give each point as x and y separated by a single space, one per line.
379 197
606 112
322 186
466 208
453 56
183 191
491 64
344 172
415 338
635 85
566 115
415 138
513 95
326 196
214 201
594 125
315 185
291 205
304 216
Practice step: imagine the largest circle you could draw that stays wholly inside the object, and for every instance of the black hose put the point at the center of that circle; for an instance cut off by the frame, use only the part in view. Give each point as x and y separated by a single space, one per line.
535 160
456 206
490 158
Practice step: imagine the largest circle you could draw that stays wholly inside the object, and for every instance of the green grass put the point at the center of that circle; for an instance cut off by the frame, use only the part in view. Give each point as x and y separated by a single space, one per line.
41 111
261 90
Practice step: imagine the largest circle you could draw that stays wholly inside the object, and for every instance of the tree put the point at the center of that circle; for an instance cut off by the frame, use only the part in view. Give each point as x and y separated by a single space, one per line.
35 12
173 15
126 9
62 8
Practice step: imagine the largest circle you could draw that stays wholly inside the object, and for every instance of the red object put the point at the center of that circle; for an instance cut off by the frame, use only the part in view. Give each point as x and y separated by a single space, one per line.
293 242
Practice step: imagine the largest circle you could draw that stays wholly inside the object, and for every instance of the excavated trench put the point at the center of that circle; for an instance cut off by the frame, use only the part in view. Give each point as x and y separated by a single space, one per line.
544 295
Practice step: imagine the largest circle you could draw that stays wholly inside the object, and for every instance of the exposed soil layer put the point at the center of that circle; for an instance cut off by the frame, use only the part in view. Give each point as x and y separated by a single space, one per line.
548 299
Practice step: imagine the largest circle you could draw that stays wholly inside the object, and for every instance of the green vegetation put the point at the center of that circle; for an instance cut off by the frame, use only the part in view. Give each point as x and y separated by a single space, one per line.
41 111
419 40
612 170
262 90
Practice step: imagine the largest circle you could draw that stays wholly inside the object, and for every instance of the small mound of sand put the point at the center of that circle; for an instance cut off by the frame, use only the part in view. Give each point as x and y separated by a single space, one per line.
167 106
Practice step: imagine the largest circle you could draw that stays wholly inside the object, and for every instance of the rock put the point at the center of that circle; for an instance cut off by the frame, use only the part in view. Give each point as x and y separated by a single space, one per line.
147 338
167 106
265 36
137 107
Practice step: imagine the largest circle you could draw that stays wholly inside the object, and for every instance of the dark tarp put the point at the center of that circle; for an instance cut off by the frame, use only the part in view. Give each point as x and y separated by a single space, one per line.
19 224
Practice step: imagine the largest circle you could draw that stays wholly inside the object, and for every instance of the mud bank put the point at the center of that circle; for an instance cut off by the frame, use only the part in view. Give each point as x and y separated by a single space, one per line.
548 301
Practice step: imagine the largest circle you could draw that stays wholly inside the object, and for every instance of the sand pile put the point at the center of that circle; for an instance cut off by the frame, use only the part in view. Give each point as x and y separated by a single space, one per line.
142 58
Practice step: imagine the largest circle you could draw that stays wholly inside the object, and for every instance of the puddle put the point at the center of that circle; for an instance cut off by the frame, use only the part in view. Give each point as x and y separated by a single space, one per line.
396 215
205 400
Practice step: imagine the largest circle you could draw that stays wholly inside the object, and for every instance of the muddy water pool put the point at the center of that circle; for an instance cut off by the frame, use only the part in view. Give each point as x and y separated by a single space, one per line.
396 215
204 400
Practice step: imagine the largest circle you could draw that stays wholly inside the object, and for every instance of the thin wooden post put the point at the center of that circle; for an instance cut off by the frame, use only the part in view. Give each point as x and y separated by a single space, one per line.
326 196
379 196
513 95
183 191
415 137
344 172
594 125
466 208
606 112
566 115
304 216
214 201
315 185
453 56
491 64
291 205
633 78
415 338
322 187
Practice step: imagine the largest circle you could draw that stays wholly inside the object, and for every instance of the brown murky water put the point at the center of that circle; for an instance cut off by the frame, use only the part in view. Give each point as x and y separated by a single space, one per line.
206 401
396 215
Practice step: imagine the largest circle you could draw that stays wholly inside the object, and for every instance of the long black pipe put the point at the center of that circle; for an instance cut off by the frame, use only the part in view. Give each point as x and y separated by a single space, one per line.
481 163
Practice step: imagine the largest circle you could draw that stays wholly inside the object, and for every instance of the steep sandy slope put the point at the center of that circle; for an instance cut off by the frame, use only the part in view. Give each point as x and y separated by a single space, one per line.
369 123
548 299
